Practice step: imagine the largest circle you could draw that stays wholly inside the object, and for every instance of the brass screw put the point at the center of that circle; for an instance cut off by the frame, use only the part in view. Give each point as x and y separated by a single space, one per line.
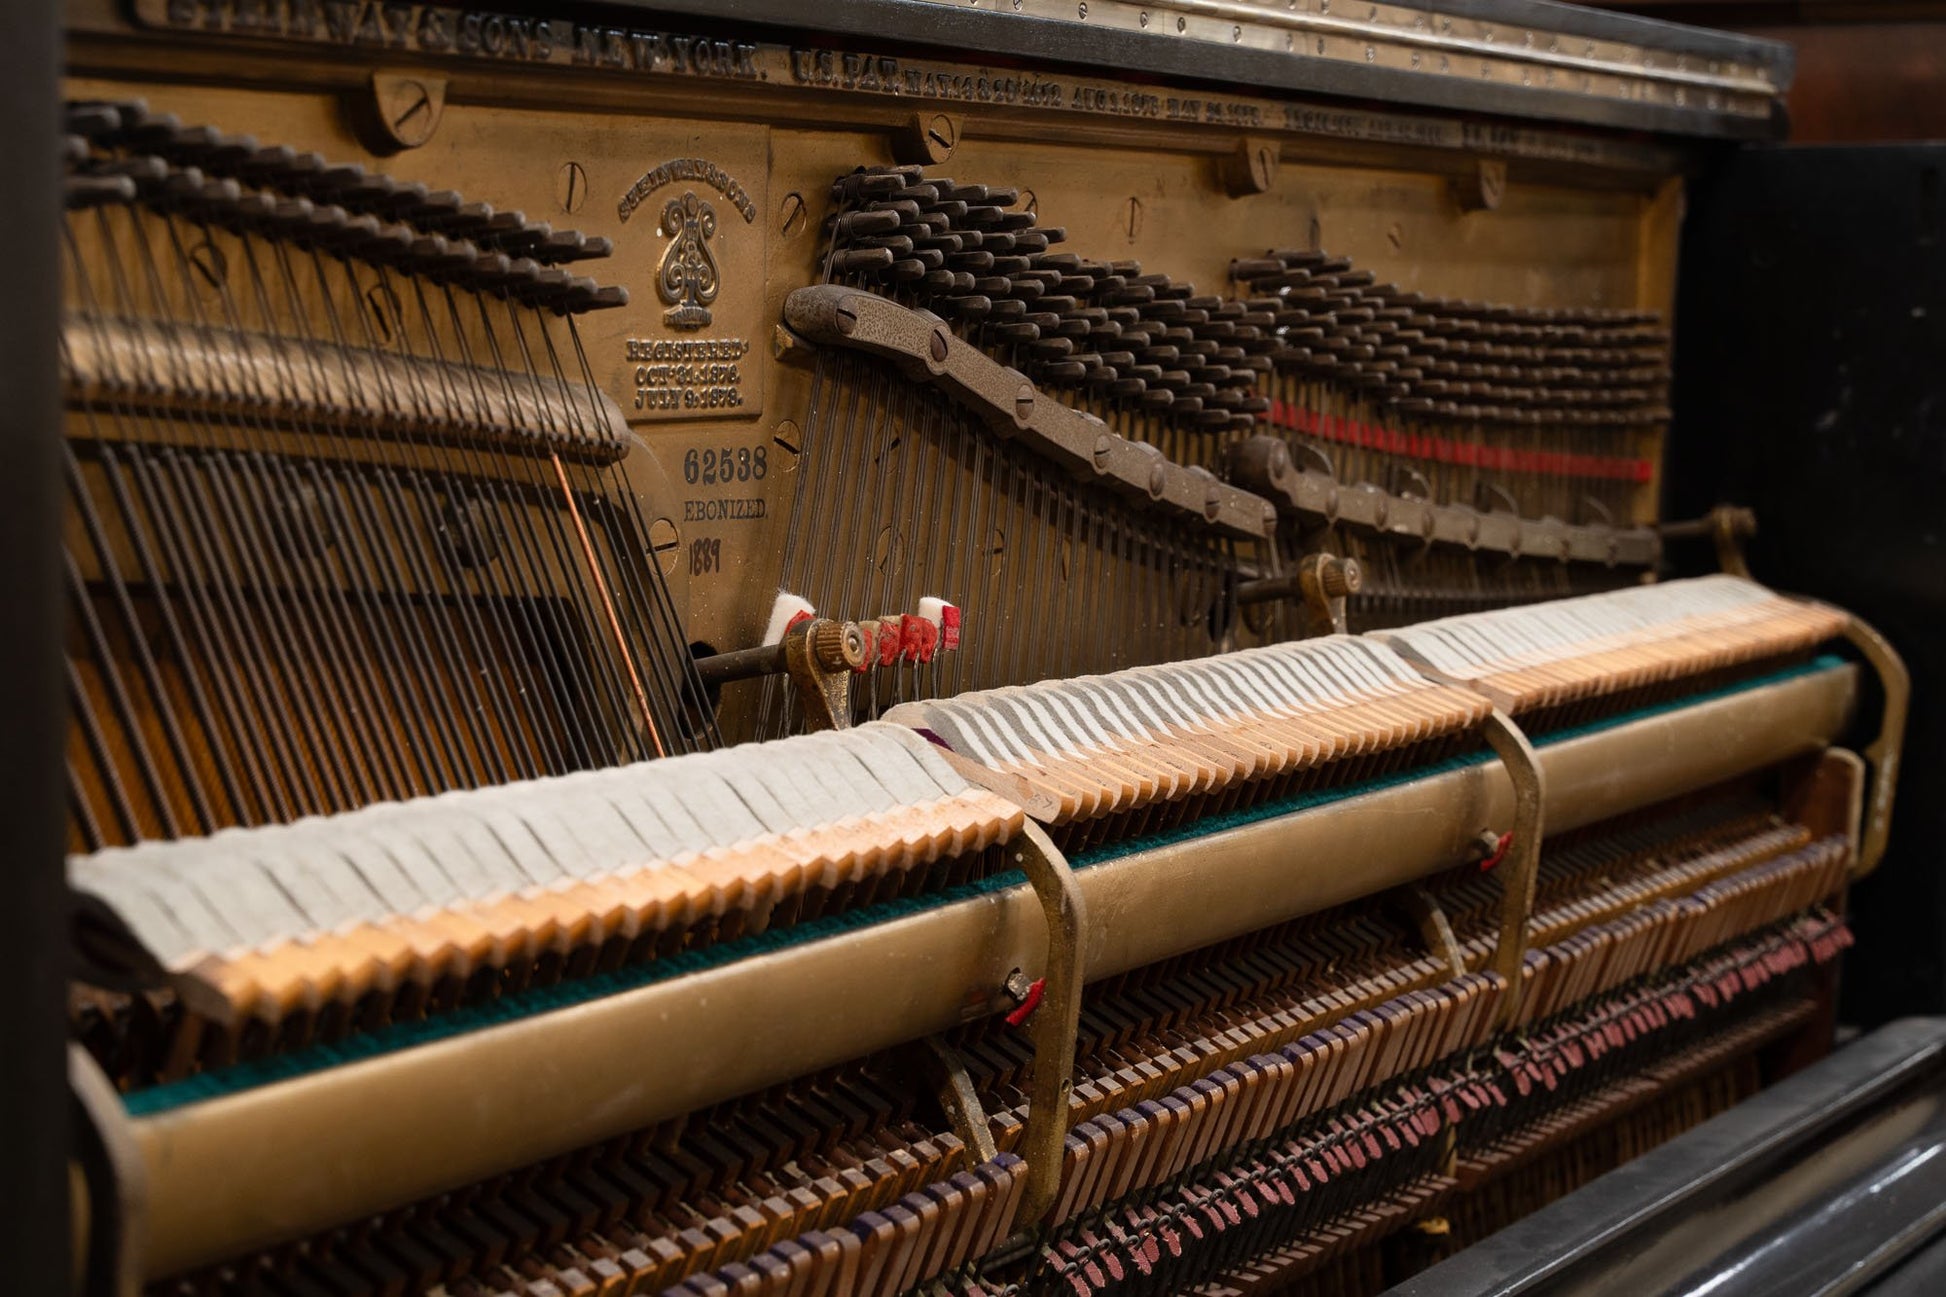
1263 166
793 216
209 263
942 134
382 305
926 139
837 645
412 112
571 187
790 439
407 108
665 542
1340 577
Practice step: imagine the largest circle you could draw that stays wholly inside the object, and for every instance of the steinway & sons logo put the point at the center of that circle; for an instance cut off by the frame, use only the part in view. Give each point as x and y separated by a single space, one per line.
700 371
689 276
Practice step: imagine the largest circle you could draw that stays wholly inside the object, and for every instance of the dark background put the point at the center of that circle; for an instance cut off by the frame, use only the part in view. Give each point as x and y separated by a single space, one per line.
33 988
1811 385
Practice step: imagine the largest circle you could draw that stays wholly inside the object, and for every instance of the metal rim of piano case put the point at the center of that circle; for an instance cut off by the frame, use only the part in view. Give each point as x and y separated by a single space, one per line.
1076 34
1749 1172
416 1121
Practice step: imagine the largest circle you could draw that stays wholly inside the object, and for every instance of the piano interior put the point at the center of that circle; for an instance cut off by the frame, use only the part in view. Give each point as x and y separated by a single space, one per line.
903 647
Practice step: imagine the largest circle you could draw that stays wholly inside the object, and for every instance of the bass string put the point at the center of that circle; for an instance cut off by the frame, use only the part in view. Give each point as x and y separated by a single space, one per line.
228 695
102 659
264 530
639 575
553 551
601 597
260 563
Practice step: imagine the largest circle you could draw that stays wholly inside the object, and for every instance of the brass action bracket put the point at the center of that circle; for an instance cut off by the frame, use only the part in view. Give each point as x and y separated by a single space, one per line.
1056 1022
1322 581
959 1099
820 655
1727 525
1522 863
109 1228
1433 925
1884 752
1327 582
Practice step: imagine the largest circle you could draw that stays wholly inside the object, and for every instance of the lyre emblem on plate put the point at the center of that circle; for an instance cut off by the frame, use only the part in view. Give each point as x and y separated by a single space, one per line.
688 278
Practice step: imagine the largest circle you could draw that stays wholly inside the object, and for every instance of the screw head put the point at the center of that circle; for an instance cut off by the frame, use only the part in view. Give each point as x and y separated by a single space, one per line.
408 107
837 646
1341 577
210 264
793 216
571 187
926 139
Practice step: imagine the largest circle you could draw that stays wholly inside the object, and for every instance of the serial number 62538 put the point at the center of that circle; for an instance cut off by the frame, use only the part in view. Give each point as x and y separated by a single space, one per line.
729 464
